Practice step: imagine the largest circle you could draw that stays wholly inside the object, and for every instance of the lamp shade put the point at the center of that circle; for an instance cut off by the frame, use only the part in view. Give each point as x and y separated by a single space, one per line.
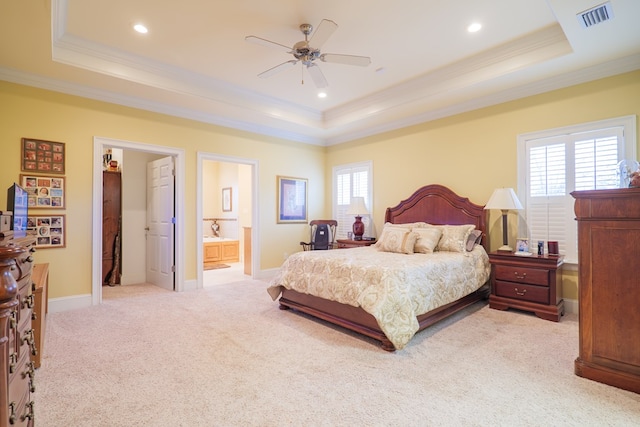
357 207
504 199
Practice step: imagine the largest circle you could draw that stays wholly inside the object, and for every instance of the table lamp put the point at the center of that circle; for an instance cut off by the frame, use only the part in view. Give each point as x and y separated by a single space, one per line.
358 208
504 199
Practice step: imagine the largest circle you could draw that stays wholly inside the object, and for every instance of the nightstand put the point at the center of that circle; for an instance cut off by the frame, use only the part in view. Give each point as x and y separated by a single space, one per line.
530 283
346 243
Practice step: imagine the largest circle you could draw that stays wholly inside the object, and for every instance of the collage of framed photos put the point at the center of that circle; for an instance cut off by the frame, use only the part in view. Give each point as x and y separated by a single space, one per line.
43 167
49 230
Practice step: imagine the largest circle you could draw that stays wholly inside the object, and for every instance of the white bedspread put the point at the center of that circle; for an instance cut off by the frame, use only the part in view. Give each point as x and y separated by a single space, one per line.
394 288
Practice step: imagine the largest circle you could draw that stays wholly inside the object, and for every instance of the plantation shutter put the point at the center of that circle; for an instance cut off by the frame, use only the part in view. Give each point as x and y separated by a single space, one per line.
351 181
547 203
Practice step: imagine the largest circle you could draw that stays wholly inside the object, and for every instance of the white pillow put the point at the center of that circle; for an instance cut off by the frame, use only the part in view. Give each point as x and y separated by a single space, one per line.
454 237
397 240
428 239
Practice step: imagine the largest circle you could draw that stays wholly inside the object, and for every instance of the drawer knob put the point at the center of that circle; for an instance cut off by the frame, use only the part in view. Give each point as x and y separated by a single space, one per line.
13 360
29 414
520 276
524 291
12 417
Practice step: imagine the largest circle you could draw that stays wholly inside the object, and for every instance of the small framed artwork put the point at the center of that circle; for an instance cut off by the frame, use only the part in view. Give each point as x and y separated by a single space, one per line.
45 192
226 199
292 199
522 245
39 156
49 230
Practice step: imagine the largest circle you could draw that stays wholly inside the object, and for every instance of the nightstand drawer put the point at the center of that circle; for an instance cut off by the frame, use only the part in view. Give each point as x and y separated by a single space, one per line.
518 291
533 276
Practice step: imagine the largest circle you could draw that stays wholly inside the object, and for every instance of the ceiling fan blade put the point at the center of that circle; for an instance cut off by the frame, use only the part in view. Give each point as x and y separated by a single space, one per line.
361 61
317 76
278 68
267 43
322 33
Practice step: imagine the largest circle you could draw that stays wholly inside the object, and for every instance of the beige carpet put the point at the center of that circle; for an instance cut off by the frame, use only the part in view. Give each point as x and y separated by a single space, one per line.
227 356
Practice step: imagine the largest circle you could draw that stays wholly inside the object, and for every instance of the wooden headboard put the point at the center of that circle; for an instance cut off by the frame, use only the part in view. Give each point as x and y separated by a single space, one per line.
436 204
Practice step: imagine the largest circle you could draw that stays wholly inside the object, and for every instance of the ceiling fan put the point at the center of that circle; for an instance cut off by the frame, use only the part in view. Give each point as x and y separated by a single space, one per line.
308 51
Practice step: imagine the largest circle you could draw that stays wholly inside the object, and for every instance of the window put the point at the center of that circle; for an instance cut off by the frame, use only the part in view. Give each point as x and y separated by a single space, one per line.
352 180
553 163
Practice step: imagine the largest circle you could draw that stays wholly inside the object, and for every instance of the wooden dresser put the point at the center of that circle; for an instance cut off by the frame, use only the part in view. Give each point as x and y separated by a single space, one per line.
609 286
17 340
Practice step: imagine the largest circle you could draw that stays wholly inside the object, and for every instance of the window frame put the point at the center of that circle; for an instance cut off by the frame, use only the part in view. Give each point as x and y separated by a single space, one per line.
368 220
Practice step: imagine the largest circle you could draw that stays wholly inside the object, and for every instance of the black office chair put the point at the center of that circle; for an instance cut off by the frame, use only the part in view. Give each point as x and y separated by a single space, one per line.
323 235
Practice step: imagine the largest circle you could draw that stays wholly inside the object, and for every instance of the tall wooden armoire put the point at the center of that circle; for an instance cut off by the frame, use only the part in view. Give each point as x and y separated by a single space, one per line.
609 291
111 227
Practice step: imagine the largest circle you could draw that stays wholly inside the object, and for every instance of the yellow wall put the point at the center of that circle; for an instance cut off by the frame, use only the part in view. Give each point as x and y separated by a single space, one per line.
475 152
41 114
471 153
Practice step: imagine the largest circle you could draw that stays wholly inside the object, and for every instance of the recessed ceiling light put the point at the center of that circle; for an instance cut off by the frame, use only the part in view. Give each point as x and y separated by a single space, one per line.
322 94
474 27
140 28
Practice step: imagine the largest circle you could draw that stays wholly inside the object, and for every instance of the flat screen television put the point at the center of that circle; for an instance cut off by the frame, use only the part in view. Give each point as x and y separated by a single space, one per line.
18 203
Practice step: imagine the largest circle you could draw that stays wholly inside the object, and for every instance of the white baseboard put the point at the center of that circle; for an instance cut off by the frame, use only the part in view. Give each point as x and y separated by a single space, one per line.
74 302
571 306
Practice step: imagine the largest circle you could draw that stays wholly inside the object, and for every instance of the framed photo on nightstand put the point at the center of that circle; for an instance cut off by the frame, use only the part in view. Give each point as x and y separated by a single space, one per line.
522 246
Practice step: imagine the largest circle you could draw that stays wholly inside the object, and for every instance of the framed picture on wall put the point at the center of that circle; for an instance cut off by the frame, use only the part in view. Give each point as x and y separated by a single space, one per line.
292 199
49 230
39 156
226 199
45 192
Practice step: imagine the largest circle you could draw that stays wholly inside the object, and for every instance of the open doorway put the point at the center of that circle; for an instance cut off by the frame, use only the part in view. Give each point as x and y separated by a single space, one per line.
177 249
226 221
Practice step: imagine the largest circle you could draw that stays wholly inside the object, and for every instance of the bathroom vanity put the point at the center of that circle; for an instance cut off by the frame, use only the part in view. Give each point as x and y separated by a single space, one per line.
220 250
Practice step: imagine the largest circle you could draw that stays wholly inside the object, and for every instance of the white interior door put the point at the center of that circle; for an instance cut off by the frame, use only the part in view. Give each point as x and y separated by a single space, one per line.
160 223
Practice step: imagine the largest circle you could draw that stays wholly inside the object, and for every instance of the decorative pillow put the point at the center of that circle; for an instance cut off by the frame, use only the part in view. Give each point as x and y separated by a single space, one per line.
475 237
389 224
397 239
418 225
454 237
428 239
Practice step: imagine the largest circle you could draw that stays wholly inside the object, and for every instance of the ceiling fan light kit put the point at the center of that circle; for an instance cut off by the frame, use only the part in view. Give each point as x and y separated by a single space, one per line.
308 51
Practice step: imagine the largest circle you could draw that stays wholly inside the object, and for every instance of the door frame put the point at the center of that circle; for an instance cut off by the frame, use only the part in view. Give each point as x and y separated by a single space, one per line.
255 243
99 145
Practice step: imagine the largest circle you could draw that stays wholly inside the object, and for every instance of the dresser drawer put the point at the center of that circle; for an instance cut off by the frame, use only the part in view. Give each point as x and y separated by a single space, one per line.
519 291
533 276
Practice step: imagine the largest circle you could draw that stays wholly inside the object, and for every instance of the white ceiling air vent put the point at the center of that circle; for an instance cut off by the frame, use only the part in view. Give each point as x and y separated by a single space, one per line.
596 15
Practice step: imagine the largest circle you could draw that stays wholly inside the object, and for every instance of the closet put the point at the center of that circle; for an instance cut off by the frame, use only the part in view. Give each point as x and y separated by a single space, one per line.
111 227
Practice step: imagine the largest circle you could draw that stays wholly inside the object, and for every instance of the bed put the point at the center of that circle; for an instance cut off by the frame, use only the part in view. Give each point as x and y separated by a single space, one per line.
348 298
